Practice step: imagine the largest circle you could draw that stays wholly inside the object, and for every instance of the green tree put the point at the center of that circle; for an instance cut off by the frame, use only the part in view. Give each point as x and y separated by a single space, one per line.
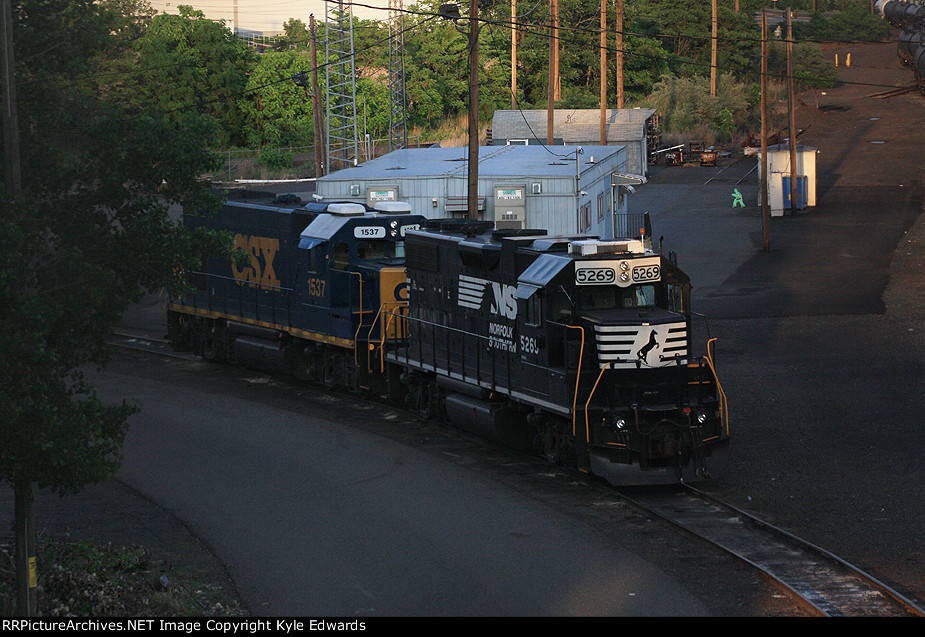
436 66
277 112
88 235
295 35
685 103
191 64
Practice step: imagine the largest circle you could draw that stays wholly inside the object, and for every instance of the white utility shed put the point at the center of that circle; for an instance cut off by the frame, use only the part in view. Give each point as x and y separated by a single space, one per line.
778 177
562 189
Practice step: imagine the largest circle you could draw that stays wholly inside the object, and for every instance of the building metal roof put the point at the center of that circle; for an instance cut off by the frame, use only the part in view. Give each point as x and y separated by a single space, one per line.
494 161
573 126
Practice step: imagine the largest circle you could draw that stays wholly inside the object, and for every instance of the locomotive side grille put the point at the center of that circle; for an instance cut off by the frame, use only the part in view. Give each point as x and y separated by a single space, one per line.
629 346
423 256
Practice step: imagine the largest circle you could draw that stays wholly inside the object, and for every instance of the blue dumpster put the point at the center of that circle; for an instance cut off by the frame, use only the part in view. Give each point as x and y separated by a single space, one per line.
802 192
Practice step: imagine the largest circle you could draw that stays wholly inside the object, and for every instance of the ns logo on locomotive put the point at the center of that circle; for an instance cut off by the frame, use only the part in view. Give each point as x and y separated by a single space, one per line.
573 346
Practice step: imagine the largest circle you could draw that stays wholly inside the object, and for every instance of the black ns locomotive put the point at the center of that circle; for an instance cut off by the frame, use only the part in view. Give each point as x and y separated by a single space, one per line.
580 346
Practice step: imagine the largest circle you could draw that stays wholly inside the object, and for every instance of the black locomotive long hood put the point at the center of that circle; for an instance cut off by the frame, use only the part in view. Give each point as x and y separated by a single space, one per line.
634 339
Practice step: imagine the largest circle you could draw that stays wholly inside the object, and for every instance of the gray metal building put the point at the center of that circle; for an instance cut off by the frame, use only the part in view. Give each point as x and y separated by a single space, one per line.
562 189
635 128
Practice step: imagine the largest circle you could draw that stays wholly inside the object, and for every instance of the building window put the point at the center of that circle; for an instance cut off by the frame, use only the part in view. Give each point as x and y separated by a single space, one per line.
601 205
585 218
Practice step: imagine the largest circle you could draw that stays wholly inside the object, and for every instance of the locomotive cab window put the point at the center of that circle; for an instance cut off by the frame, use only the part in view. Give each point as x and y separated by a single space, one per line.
340 258
561 308
611 298
534 310
677 299
372 249
639 296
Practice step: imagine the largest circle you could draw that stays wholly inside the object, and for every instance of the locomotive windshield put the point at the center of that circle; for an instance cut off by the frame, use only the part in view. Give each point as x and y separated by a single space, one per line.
608 297
383 249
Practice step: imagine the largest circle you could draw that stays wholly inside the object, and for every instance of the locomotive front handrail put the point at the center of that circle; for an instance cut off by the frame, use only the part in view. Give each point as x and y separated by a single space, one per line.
581 353
401 329
356 334
588 402
723 405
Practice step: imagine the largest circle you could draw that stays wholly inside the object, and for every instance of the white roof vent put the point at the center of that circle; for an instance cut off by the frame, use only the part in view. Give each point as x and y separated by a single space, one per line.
347 209
393 207
593 246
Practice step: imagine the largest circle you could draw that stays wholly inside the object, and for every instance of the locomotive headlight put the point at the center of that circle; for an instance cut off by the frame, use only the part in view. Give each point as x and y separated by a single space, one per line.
619 423
701 417
624 266
624 277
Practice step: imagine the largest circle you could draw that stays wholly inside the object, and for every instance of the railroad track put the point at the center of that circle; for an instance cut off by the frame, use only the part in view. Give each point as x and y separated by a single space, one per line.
733 164
819 581
142 342
823 583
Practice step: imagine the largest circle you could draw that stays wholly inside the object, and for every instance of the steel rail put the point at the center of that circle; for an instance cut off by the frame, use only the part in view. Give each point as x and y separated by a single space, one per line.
821 582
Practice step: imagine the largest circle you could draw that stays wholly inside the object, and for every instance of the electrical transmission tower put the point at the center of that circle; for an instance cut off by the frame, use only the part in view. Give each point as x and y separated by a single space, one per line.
398 123
340 72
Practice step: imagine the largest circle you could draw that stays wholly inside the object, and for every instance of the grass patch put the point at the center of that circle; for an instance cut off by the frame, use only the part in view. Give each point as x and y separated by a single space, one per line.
84 579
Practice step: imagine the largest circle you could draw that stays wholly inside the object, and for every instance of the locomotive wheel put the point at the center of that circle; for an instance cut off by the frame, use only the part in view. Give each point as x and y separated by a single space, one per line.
552 443
213 342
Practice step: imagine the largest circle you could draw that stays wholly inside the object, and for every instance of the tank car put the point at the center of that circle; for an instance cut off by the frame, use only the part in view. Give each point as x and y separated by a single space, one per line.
580 346
307 293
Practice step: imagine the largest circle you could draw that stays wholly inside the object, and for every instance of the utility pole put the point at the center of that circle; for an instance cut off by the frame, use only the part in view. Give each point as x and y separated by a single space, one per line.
790 108
513 53
555 27
715 33
551 93
12 170
23 490
765 212
619 53
317 116
603 72
473 167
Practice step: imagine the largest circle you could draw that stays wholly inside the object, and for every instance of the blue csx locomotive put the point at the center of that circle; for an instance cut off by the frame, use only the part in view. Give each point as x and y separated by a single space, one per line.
578 347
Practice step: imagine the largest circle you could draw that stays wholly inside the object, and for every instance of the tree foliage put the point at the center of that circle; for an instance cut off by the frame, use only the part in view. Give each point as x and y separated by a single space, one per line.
276 111
88 235
191 63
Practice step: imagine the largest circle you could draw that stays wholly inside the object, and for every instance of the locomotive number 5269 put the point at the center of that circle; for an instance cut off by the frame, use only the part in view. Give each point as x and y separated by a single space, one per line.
585 276
646 273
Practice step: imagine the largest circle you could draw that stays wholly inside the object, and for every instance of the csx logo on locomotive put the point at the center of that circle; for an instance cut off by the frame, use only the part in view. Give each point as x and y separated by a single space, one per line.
260 270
